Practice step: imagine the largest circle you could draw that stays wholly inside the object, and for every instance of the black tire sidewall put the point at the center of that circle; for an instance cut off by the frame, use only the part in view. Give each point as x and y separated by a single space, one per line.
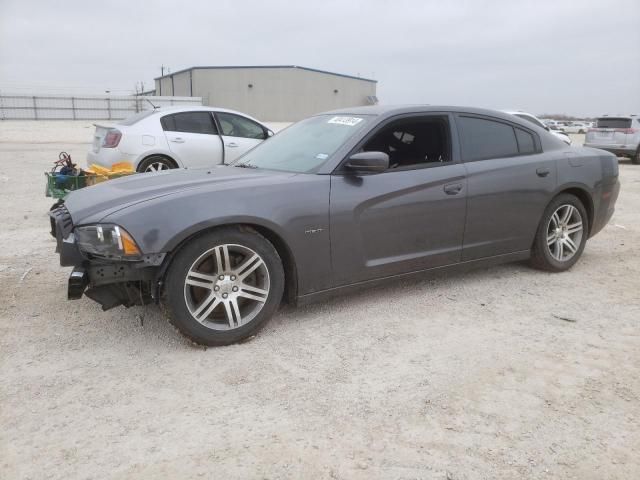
142 166
542 253
636 158
173 291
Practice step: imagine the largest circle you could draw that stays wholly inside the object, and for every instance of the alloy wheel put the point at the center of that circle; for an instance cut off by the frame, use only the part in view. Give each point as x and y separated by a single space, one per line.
226 287
564 233
156 167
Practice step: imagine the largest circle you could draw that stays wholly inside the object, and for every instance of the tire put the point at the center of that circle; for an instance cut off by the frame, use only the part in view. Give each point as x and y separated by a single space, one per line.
548 252
581 131
205 288
636 158
155 163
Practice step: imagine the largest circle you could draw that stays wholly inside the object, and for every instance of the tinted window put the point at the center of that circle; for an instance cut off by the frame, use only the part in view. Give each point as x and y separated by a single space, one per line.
189 122
526 143
237 126
413 142
483 139
614 122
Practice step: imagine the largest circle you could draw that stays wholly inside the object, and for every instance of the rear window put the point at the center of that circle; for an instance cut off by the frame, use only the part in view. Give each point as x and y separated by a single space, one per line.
526 144
609 122
189 122
136 118
482 139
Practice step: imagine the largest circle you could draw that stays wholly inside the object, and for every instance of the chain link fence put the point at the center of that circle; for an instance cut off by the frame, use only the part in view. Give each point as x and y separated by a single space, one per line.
83 107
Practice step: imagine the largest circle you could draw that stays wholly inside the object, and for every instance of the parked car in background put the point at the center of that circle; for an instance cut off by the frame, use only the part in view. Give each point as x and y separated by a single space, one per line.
537 122
336 202
618 135
577 127
176 137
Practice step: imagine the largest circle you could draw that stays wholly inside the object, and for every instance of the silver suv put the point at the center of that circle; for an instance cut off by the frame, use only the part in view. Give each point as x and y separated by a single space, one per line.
618 135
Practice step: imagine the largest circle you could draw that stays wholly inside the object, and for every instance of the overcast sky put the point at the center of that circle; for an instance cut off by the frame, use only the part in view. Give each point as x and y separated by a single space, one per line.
578 57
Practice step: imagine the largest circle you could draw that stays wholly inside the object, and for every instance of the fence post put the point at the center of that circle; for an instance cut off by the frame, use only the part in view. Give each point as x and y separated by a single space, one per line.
35 108
109 107
73 107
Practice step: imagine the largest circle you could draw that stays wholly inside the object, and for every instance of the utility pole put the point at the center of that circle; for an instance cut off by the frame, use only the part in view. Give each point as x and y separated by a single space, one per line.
161 75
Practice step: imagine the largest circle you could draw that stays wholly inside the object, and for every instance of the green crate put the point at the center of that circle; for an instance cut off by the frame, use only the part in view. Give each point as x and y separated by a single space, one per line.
60 185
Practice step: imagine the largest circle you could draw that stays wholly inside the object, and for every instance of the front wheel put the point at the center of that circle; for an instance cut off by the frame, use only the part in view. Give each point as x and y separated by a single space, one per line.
561 236
222 287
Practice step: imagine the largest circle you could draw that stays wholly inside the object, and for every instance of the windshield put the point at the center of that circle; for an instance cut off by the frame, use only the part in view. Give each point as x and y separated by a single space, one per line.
305 146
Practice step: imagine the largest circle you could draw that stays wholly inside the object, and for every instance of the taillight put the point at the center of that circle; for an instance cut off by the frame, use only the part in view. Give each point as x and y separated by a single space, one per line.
593 130
112 139
627 130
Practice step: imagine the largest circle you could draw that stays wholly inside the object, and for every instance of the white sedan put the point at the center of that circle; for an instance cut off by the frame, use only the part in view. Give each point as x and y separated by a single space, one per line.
536 121
577 127
176 137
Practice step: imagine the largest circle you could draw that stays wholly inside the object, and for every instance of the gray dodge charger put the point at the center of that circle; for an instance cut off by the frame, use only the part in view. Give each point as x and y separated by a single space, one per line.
339 201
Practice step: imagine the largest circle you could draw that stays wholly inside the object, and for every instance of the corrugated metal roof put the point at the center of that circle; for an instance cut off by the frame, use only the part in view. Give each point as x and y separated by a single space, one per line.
265 66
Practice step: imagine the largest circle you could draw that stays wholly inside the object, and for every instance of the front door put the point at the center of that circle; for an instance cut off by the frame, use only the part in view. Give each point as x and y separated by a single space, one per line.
239 134
406 219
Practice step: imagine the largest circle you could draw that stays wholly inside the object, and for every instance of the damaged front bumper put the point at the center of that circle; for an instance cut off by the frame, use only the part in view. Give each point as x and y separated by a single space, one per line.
109 283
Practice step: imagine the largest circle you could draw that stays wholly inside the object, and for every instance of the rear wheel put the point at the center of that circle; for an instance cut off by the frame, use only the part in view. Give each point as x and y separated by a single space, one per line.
155 163
636 158
562 234
222 287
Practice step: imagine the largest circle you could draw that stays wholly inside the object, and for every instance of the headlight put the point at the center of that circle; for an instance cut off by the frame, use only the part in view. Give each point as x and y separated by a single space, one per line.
107 241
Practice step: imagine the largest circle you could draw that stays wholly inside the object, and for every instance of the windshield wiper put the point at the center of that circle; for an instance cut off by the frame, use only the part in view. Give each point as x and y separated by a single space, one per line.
245 165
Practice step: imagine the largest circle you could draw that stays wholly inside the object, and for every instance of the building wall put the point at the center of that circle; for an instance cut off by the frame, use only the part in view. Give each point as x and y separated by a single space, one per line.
180 83
276 94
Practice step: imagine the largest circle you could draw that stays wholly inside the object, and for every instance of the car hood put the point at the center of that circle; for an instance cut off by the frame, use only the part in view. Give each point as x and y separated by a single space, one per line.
93 203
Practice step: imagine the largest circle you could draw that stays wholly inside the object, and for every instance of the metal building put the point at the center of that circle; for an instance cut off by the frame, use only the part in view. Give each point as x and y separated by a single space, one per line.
281 93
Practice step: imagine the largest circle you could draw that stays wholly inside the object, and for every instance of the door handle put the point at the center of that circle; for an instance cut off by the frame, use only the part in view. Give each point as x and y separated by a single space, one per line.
177 140
232 145
543 172
453 188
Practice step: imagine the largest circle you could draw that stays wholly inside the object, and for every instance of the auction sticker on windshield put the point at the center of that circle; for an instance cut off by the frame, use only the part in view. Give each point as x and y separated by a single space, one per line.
348 121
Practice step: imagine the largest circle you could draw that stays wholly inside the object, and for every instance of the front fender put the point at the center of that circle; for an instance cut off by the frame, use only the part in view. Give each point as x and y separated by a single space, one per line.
290 207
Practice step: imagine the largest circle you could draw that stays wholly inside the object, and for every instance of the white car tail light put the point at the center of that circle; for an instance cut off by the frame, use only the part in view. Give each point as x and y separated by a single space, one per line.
112 139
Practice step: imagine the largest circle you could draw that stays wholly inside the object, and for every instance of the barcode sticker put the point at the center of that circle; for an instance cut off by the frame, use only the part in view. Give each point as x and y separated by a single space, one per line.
348 121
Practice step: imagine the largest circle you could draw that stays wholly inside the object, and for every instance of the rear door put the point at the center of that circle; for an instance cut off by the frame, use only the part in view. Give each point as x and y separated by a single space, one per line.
239 134
510 181
193 138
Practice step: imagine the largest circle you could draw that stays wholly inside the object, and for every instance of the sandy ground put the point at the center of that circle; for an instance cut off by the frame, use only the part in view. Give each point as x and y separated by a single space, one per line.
460 377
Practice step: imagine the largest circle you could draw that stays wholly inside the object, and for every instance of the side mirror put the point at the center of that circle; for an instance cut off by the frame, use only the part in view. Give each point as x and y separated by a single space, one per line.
270 133
368 162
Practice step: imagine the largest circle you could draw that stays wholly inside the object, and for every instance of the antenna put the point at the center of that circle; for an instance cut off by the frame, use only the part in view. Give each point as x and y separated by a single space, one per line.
154 107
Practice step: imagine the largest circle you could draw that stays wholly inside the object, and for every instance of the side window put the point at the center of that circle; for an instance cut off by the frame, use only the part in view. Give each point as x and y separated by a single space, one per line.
526 144
237 126
482 139
189 122
413 142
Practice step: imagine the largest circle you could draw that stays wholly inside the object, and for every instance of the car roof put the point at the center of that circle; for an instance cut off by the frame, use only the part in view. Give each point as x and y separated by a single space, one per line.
392 110
190 108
